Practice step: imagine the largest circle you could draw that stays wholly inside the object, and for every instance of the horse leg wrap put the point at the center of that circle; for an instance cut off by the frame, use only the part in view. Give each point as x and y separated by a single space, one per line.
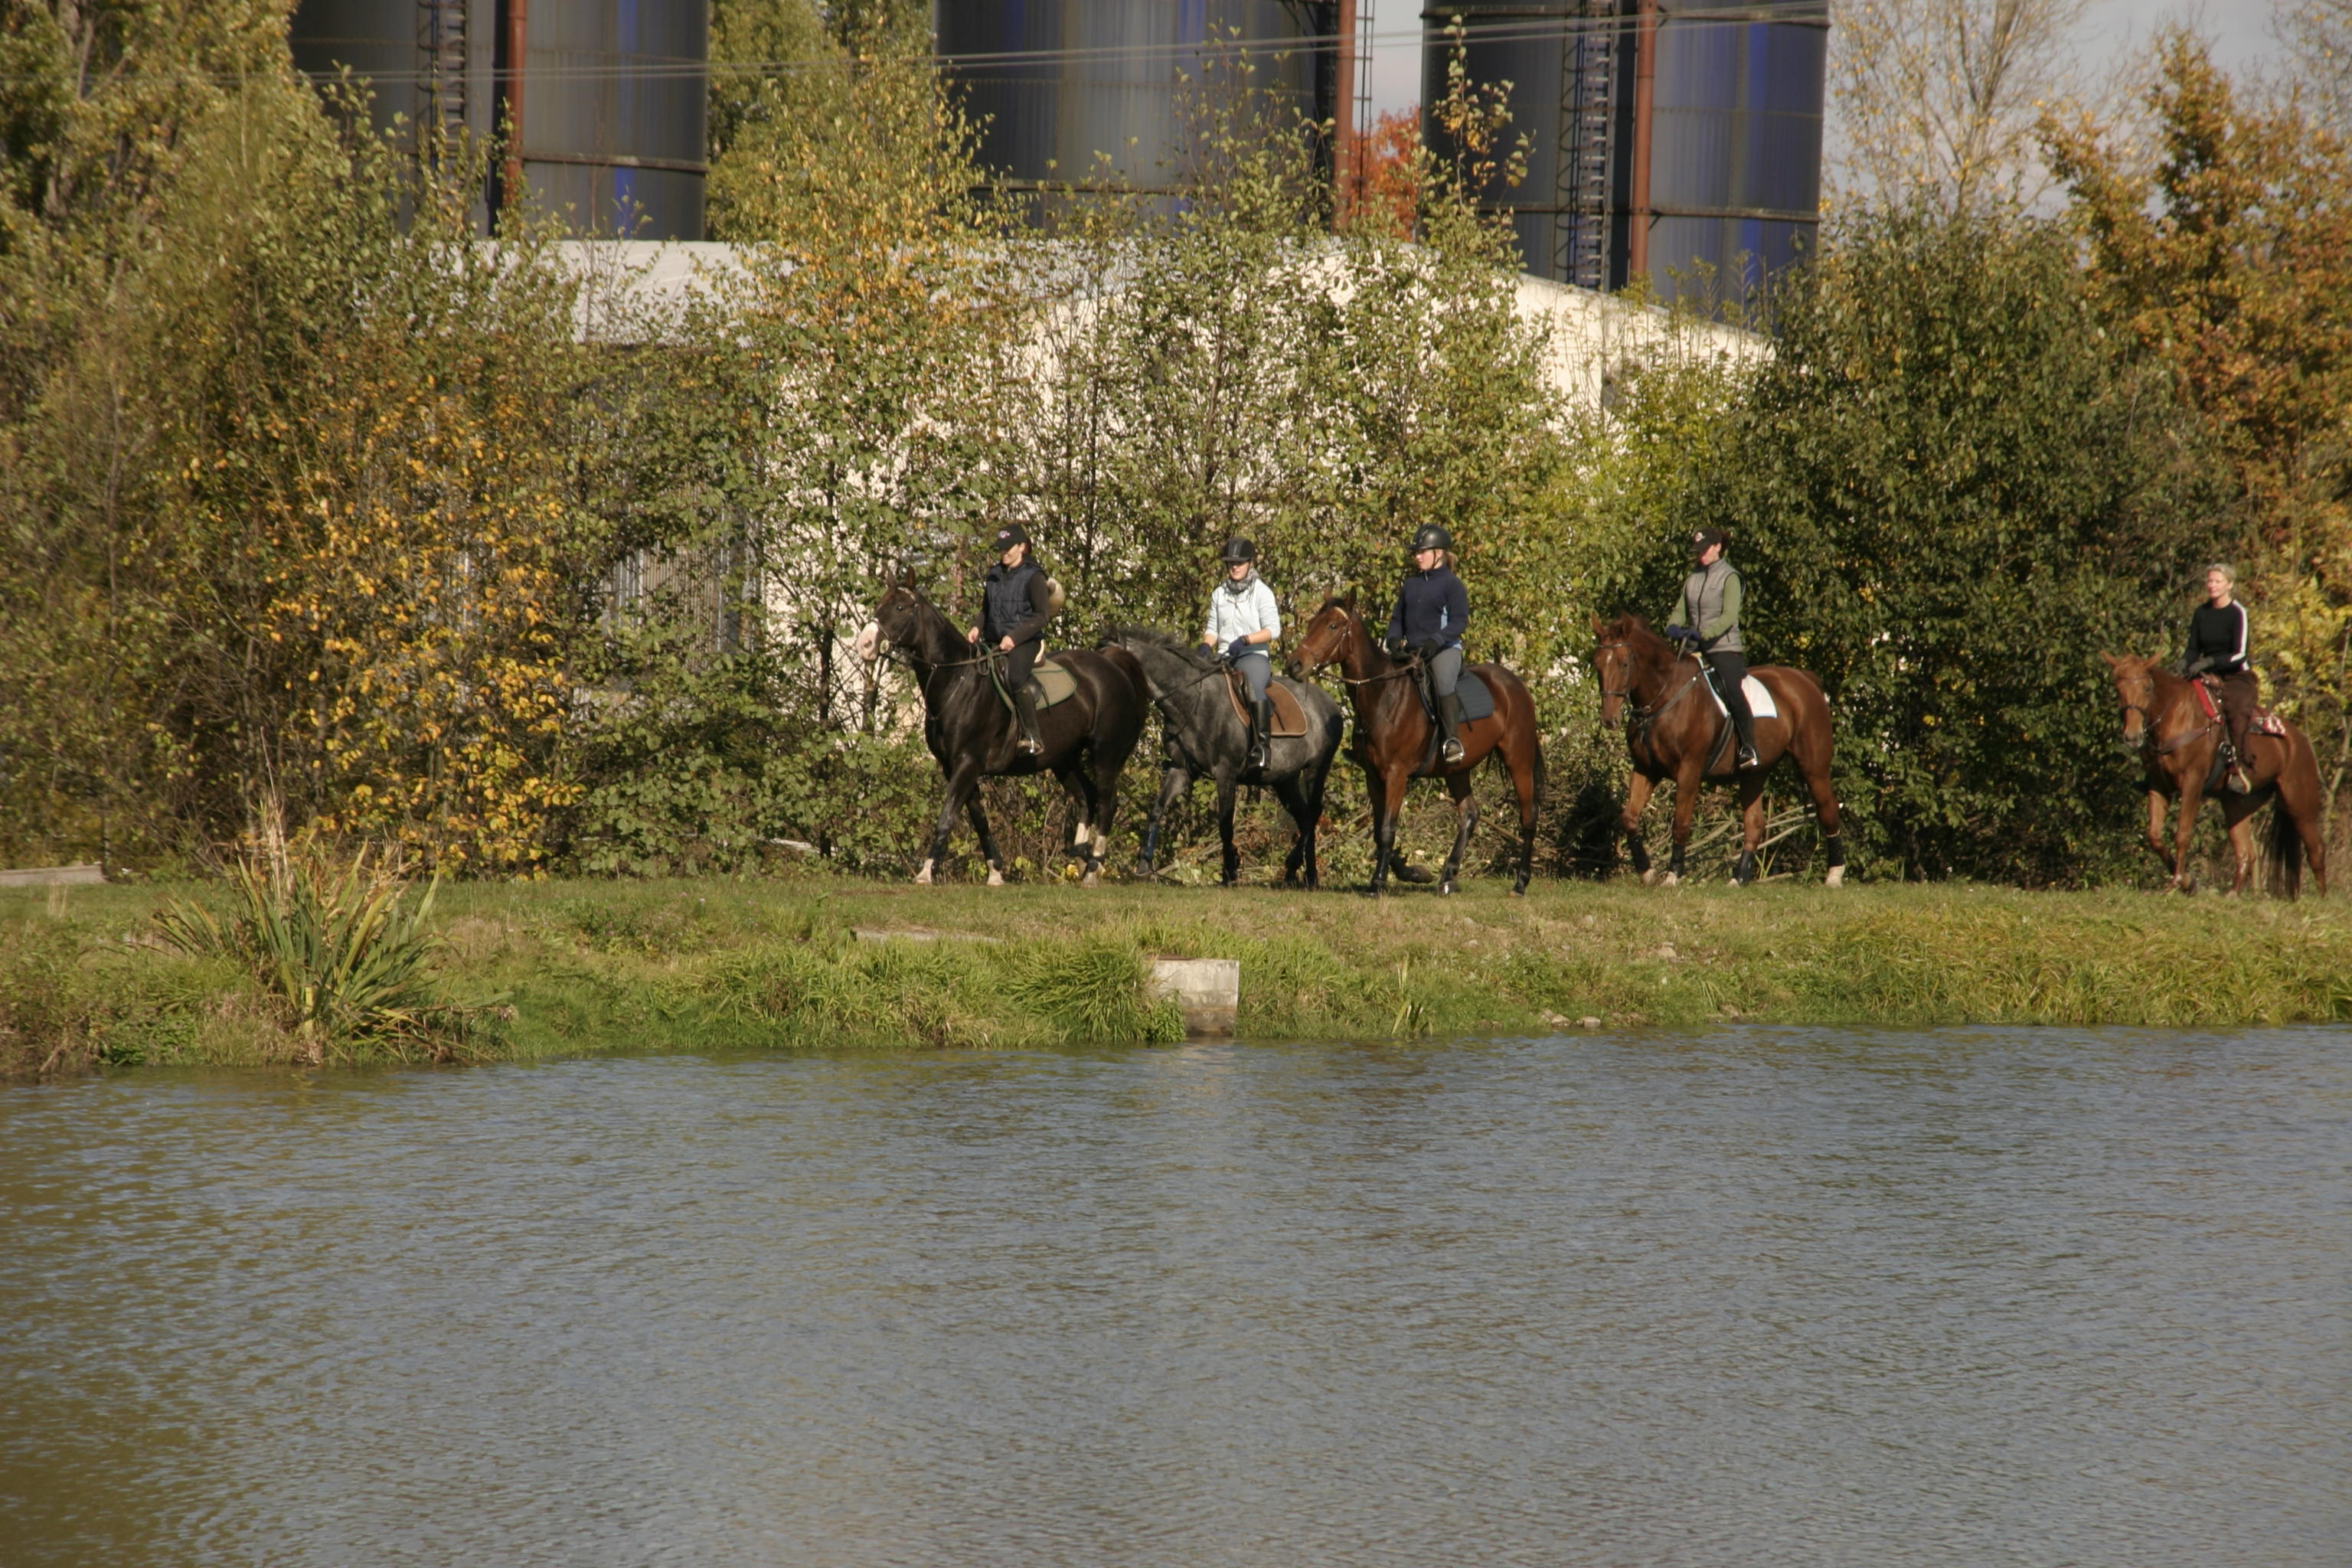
1833 847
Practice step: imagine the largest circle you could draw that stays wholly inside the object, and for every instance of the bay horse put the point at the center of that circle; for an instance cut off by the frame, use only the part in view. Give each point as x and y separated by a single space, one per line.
1087 737
2177 739
1396 740
1673 730
1207 738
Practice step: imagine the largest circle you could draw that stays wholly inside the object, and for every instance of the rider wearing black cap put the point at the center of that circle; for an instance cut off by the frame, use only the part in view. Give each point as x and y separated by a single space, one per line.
1708 620
1431 609
1014 606
1243 622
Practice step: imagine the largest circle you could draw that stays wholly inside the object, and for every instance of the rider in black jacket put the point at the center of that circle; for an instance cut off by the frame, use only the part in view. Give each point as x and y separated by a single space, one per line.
2217 654
1431 609
1014 606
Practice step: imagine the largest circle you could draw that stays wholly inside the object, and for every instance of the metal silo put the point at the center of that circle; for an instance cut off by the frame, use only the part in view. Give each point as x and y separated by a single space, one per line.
610 93
1674 139
1057 81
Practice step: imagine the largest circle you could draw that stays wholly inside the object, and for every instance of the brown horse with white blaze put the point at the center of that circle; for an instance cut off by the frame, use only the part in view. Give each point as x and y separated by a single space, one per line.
2177 739
1675 731
1396 740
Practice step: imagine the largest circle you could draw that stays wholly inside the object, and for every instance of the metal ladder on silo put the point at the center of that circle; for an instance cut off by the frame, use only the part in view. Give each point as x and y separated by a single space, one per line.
1588 121
440 73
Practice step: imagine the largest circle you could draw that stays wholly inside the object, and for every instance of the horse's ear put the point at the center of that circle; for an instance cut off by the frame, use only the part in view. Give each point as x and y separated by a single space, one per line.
1598 626
1350 601
2113 662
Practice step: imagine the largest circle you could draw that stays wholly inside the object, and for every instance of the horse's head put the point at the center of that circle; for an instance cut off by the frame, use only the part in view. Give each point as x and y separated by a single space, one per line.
899 613
2136 690
1616 660
1326 638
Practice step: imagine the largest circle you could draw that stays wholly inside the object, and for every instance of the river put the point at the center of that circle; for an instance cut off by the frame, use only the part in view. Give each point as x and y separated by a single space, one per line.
1757 1296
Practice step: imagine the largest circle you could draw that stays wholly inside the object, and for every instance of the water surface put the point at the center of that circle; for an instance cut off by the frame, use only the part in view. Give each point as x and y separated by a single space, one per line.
1758 1296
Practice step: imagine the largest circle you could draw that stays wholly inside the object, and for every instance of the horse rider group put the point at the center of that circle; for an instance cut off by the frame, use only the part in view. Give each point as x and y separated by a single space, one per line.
1432 610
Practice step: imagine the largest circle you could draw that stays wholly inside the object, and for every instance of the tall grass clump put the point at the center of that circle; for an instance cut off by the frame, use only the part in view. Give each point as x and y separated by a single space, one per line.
341 954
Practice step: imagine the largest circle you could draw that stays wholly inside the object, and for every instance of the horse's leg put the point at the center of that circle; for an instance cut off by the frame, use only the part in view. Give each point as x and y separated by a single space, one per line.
2155 825
1466 818
1386 797
1815 764
1172 785
1103 778
976 813
1687 785
1751 826
1228 786
960 784
2237 821
1292 793
2192 791
1637 800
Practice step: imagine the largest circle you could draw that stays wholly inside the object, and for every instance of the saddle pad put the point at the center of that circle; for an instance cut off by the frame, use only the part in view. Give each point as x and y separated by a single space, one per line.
1054 683
1478 702
2269 724
1289 718
1760 699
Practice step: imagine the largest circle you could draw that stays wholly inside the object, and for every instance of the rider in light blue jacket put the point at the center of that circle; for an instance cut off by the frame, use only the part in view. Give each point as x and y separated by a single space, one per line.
1243 622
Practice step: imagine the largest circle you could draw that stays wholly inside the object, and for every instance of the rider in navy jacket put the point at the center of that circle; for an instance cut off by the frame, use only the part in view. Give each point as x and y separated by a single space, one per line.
1431 610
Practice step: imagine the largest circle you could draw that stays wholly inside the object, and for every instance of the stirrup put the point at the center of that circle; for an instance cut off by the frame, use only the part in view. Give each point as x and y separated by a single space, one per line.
1748 758
1450 750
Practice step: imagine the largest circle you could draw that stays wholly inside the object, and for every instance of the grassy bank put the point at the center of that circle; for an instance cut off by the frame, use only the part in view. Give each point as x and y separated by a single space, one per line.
564 968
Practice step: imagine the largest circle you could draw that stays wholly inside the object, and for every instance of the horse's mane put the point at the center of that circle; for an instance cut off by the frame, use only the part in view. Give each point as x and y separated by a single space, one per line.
1153 637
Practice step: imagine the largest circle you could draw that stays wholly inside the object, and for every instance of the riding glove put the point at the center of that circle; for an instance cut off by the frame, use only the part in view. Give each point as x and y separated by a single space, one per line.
1396 648
1239 647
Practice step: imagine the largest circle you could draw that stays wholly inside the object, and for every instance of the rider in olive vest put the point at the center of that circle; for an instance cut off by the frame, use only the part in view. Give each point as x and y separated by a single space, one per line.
1014 606
1708 622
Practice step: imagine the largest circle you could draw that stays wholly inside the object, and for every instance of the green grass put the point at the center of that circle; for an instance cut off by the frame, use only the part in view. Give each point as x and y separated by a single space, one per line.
717 963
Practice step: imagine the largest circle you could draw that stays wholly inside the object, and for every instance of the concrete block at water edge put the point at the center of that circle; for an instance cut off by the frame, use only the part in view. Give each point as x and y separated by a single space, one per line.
1207 990
53 877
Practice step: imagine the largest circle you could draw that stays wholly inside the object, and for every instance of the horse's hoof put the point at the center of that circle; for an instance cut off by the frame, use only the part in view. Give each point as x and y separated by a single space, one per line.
1445 886
1671 879
923 876
1091 880
1836 878
995 877
1650 878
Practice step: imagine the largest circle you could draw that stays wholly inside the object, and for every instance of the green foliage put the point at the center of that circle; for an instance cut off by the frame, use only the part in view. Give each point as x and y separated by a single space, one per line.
336 946
1948 490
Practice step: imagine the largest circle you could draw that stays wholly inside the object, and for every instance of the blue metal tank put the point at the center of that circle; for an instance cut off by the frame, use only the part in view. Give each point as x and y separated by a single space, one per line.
1679 140
612 94
1058 82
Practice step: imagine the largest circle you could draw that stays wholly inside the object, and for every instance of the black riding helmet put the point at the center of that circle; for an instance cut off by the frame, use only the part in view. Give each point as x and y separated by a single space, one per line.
1431 536
1238 549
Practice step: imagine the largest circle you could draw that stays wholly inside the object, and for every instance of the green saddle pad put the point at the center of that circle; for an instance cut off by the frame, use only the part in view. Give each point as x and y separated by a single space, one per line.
1054 683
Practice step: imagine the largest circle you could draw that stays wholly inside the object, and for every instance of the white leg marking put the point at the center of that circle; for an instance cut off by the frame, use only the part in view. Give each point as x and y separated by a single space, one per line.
923 876
1836 877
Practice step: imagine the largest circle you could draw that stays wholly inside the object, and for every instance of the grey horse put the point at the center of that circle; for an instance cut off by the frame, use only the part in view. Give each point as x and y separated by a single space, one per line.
1206 739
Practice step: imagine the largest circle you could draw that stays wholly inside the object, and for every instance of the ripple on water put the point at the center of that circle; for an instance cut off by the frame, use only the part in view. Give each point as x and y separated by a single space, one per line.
1759 1297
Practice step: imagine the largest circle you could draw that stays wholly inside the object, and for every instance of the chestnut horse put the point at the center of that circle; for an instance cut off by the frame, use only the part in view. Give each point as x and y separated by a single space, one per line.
1675 731
2177 740
1396 740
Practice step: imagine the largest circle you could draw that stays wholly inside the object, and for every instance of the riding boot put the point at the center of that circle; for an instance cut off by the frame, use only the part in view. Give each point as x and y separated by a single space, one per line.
1024 703
2235 780
1745 726
1261 727
1449 721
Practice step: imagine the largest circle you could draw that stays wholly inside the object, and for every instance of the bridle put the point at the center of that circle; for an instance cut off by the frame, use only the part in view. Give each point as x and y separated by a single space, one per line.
1637 717
2147 742
1410 664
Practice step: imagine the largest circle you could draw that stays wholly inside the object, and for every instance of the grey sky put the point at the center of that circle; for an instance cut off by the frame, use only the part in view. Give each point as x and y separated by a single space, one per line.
2240 30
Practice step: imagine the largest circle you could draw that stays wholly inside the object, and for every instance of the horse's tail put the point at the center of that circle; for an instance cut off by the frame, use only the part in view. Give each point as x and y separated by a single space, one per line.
2283 851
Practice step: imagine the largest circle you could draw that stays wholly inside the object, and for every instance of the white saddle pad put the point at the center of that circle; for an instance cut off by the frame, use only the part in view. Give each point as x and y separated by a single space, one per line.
1760 701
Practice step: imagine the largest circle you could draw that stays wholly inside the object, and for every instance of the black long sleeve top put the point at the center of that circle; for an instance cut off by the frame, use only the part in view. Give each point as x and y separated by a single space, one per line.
2218 637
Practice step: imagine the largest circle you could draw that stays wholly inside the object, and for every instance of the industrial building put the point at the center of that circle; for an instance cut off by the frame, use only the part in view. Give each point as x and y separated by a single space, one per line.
609 94
1675 140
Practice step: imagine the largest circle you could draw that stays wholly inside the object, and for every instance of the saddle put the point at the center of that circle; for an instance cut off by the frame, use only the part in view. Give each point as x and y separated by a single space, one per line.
1289 718
2265 722
1049 683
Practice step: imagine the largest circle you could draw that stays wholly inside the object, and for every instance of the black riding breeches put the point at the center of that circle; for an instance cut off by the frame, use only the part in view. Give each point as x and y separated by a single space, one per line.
1730 671
1020 662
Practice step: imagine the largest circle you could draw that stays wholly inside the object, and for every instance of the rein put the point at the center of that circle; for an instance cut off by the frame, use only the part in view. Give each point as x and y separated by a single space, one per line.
1638 717
2147 742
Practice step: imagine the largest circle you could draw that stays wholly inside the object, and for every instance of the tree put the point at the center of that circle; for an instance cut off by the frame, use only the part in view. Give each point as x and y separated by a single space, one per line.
2318 36
1947 489
2223 254
1940 98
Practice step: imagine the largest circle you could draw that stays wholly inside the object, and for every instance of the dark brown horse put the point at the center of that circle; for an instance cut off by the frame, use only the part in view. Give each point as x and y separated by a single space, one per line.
1396 738
1087 737
1675 731
2177 739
